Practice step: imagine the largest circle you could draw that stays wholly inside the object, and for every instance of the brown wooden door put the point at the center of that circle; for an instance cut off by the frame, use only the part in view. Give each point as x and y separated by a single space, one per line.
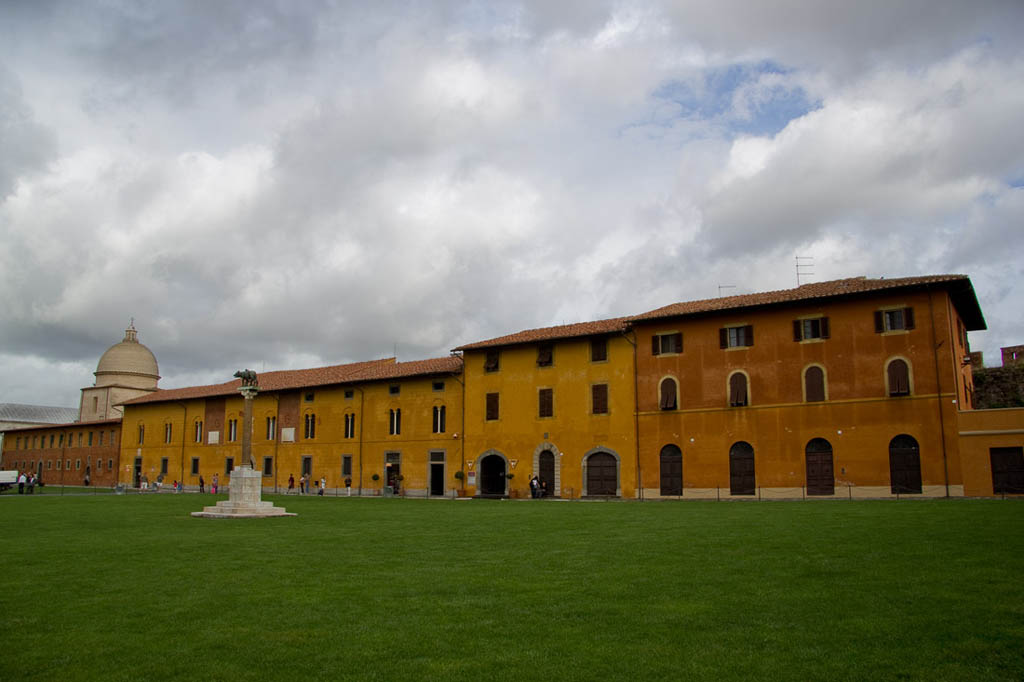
904 465
741 469
671 470
820 474
547 472
492 475
602 477
1007 471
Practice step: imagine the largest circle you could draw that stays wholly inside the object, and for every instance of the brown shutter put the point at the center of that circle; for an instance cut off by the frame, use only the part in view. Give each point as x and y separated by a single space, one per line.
544 355
798 329
655 345
598 350
723 338
824 328
908 318
738 389
668 394
750 334
814 381
545 402
599 393
899 379
678 340
879 322
492 406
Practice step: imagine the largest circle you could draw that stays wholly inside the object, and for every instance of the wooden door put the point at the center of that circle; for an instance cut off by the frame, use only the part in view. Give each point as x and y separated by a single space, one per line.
492 475
671 470
547 472
820 474
904 465
602 474
1007 471
741 469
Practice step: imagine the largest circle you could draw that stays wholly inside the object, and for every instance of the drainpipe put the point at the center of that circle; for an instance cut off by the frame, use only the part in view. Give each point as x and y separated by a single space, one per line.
362 417
184 420
636 418
277 430
938 386
462 448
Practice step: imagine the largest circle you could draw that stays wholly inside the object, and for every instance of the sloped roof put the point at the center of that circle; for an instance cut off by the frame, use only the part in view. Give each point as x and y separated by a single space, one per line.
37 414
66 425
959 286
564 331
371 370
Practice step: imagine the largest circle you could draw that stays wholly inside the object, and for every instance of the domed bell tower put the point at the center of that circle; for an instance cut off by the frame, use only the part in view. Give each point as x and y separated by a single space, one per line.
125 371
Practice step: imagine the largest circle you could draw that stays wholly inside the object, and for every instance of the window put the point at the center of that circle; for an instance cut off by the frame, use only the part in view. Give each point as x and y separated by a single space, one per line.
60 441
52 436
163 466
58 465
898 378
663 344
736 337
229 464
199 431
309 426
95 403
546 402
492 406
667 392
814 384
346 465
545 355
102 433
395 422
738 396
78 464
99 465
816 328
67 464
90 438
350 425
492 361
894 320
49 464
80 439
271 428
112 436
599 398
142 434
195 466
438 386
308 397
232 430
598 350
167 433
268 466
439 418
110 464
349 394
394 389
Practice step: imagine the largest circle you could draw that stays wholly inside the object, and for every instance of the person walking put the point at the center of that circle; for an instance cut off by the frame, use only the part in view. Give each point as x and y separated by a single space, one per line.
213 484
291 484
323 484
302 484
22 479
348 486
202 484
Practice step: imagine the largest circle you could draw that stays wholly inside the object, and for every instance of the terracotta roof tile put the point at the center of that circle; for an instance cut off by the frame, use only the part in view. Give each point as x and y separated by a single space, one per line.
565 331
372 370
817 290
66 425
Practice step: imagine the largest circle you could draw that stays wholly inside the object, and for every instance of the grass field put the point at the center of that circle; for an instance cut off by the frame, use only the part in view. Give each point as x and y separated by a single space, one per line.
99 587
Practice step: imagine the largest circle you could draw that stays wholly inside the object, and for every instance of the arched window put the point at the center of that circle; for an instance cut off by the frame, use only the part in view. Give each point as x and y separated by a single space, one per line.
904 465
820 474
898 374
741 469
671 470
738 395
814 384
668 394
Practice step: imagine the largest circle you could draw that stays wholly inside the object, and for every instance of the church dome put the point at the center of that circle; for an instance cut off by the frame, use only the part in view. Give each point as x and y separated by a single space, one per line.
128 359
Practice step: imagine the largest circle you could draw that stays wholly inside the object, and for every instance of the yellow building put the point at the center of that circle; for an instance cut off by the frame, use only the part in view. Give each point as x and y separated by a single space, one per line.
344 423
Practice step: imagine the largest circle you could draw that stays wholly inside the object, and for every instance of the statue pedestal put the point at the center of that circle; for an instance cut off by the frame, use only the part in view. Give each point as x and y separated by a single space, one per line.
244 499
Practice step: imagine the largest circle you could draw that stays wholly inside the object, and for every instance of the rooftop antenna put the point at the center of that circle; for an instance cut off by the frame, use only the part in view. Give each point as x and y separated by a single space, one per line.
724 286
804 266
395 349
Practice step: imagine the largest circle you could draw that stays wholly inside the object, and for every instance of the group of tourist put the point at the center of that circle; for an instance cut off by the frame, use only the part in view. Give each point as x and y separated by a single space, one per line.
27 482
306 485
538 488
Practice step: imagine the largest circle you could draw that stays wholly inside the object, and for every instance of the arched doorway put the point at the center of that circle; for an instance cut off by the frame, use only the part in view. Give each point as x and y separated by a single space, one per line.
821 478
741 469
671 470
904 465
492 475
547 473
602 474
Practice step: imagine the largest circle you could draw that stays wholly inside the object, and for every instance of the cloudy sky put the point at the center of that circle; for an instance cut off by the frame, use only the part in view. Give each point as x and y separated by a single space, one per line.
289 184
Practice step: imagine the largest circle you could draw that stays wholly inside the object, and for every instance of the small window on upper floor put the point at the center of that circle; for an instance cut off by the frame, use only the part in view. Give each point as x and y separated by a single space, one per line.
308 397
492 361
736 337
814 384
667 399
671 342
349 393
545 402
545 355
898 375
438 386
598 350
899 319
394 389
738 394
815 328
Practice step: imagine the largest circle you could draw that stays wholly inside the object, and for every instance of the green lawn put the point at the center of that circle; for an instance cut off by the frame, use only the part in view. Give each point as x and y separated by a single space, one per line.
131 587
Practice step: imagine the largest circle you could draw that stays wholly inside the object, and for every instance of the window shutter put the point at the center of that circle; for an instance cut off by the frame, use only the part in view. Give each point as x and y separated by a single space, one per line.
598 350
723 338
798 328
599 393
655 345
824 328
545 402
750 334
668 394
544 355
678 339
908 318
899 378
879 322
815 384
738 389
492 406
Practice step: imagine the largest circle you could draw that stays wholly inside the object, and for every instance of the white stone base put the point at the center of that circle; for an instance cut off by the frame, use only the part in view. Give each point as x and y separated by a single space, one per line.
243 499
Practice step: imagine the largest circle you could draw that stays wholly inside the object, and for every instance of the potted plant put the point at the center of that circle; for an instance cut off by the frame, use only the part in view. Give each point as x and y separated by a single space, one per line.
376 477
511 490
460 476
